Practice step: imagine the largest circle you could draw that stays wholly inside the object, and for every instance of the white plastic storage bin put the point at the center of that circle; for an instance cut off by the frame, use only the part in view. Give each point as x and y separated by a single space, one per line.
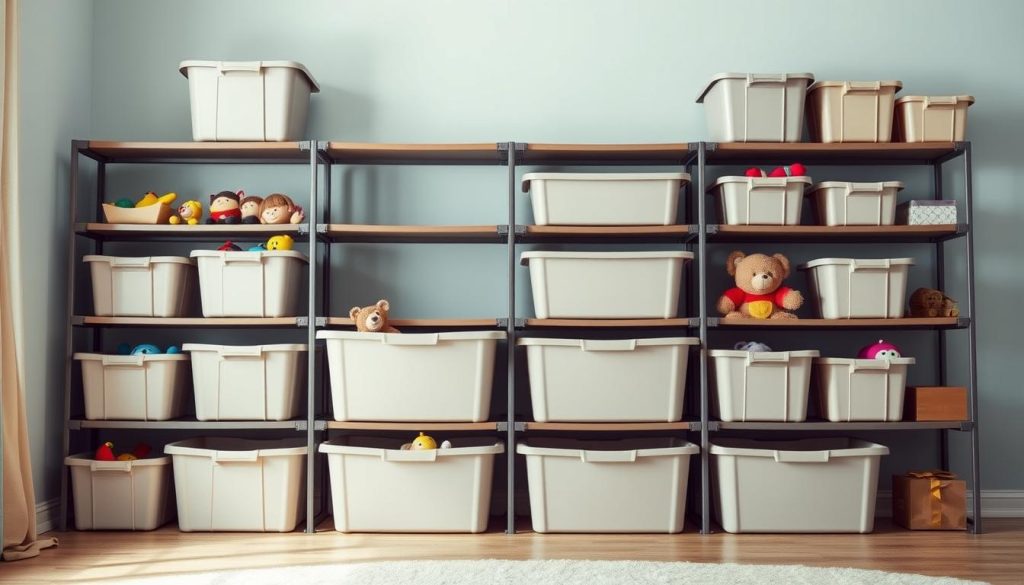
604 198
629 485
605 285
247 382
851 111
225 484
377 487
809 485
861 389
248 100
133 387
932 118
844 203
755 107
150 286
760 200
411 376
761 386
610 380
250 284
847 288
120 495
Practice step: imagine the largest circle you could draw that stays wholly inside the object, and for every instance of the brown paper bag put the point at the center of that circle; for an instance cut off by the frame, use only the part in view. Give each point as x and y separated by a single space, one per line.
929 500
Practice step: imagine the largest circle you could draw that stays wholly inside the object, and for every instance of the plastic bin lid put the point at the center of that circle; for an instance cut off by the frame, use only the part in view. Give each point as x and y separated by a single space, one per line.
243 349
866 263
412 338
929 203
765 355
833 361
944 99
249 66
856 84
857 185
752 76
245 254
685 177
608 344
526 256
827 448
87 460
610 450
228 448
129 359
136 260
352 447
760 181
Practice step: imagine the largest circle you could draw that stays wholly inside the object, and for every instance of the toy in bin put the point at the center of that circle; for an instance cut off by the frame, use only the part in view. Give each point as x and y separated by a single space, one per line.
281 242
793 170
880 350
424 442
229 246
759 293
145 349
372 319
225 208
105 452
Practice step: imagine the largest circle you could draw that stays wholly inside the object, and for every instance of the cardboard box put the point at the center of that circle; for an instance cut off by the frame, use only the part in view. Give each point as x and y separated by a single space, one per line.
927 212
929 500
935 403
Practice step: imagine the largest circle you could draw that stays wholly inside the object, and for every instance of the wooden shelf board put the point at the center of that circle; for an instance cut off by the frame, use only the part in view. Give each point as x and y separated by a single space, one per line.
412 426
654 233
413 233
676 322
112 231
378 153
840 426
439 323
190 321
187 424
140 152
595 426
834 153
900 323
668 154
825 234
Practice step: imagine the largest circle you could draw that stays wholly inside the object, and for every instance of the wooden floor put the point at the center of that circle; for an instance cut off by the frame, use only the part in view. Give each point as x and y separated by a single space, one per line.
996 556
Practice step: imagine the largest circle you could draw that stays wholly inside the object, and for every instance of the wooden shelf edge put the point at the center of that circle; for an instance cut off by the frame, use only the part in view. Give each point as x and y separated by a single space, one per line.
792 230
346 322
610 231
127 151
675 322
840 323
412 426
97 227
624 426
189 321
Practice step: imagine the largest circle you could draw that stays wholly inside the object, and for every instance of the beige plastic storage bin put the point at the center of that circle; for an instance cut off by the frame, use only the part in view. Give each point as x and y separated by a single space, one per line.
605 285
150 286
604 198
760 200
609 380
851 111
248 100
250 284
248 382
761 386
133 387
376 487
932 118
629 485
847 288
861 389
845 203
239 485
809 485
411 376
120 495
755 107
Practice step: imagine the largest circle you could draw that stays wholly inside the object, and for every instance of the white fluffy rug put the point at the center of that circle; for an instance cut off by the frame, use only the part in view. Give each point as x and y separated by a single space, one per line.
557 572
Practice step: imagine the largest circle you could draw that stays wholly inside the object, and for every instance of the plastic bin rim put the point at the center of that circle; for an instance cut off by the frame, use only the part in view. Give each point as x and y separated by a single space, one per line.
721 76
687 448
146 357
575 342
831 184
929 203
838 361
262 348
262 254
526 256
740 179
315 87
193 447
683 177
799 353
151 259
441 336
854 448
333 447
847 261
887 83
87 459
969 99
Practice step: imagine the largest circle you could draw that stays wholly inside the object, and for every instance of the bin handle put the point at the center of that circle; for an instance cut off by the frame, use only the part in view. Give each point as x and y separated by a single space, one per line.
801 456
253 257
766 78
250 66
120 262
235 456
864 188
869 264
943 101
861 86
122 360
755 183
857 365
397 455
242 351
608 456
761 357
407 339
110 466
608 344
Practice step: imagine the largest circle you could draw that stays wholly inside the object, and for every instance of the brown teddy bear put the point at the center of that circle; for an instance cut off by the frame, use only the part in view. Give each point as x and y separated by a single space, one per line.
930 302
372 319
759 293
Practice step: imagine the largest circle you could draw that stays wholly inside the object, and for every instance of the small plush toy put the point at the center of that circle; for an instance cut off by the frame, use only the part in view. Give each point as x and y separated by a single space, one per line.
125 203
190 212
105 452
224 208
281 242
930 302
751 346
229 246
260 247
150 198
424 442
880 350
278 209
793 170
250 207
372 319
759 293
146 349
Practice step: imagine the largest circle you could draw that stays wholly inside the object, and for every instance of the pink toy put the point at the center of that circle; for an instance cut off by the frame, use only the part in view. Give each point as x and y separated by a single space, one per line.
882 350
793 170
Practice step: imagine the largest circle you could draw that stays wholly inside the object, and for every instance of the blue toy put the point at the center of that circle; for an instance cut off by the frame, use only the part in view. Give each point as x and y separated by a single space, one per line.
258 248
174 349
146 349
124 349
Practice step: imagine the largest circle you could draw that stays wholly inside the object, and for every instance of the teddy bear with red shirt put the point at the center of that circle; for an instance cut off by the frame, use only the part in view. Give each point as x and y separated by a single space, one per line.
759 293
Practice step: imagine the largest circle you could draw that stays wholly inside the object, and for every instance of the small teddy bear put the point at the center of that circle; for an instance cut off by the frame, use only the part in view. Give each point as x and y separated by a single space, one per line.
278 209
759 293
930 302
372 319
189 212
250 208
224 208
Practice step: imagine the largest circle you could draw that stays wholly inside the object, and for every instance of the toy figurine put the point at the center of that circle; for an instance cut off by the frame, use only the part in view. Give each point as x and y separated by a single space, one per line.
279 209
250 207
150 198
228 246
424 442
105 452
751 346
281 242
190 212
224 208
881 350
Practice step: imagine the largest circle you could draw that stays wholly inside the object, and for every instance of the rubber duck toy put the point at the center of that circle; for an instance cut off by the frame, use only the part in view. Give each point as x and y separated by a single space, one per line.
190 212
150 198
881 350
281 242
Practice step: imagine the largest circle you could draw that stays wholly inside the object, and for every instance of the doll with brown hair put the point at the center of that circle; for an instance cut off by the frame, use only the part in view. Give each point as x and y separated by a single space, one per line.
278 209
250 207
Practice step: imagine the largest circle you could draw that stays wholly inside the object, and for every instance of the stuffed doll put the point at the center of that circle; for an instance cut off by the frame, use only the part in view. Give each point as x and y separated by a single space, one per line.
224 208
759 293
278 209
372 319
250 208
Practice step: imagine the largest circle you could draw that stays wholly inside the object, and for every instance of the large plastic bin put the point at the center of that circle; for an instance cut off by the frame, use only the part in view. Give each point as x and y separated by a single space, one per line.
133 387
848 288
604 198
809 485
411 376
845 203
120 495
377 487
149 286
248 100
628 485
605 285
611 380
851 111
250 284
861 389
248 382
761 386
226 484
932 118
755 107
760 200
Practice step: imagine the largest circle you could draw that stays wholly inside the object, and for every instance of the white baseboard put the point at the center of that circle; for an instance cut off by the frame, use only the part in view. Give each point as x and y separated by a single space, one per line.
47 515
994 504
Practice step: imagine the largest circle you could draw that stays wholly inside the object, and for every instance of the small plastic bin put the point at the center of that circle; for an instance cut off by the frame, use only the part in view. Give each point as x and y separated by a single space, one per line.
809 485
607 380
755 107
133 387
761 386
760 200
247 382
238 485
861 389
250 284
851 111
932 118
120 495
149 286
845 203
628 485
604 198
927 212
605 285
848 288
377 487
248 100
444 377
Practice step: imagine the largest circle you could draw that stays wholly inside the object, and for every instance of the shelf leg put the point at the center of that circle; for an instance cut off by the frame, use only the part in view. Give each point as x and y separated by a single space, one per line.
705 483
510 332
972 343
311 377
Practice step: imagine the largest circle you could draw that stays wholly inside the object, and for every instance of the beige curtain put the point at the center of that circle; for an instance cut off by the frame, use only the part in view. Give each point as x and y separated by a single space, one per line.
18 497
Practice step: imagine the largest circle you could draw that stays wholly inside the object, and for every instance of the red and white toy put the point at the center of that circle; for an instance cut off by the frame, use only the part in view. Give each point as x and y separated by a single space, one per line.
881 350
793 170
